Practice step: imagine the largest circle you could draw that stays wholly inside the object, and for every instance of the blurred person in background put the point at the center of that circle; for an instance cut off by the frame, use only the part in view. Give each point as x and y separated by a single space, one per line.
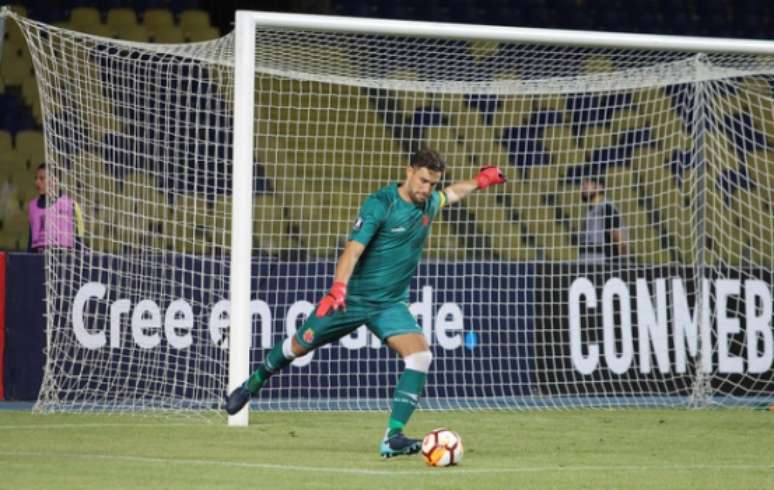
65 228
603 237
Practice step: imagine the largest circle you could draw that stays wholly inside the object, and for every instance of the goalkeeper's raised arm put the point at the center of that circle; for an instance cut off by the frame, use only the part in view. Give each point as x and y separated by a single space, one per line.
488 175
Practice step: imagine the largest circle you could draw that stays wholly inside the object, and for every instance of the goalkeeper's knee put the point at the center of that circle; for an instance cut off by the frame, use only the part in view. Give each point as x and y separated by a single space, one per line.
419 361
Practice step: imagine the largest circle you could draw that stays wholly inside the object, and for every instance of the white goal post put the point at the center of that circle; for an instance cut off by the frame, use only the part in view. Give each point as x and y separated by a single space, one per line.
220 180
245 66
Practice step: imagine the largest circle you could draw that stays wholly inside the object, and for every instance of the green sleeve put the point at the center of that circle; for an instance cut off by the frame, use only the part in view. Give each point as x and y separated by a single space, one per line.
370 218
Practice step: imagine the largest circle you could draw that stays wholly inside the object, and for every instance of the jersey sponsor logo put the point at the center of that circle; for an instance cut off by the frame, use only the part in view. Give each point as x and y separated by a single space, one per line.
358 224
308 336
399 229
425 220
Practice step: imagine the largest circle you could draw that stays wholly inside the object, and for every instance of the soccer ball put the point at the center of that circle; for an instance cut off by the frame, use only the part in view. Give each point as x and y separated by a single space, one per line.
442 447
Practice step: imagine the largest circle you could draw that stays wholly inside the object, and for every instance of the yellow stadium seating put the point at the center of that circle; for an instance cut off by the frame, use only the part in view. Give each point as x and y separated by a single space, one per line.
545 178
137 33
30 92
758 226
15 70
597 63
346 145
16 171
121 17
495 221
324 215
102 30
157 19
193 19
560 142
220 221
168 35
14 234
84 17
29 144
13 33
760 165
271 225
200 34
443 242
5 141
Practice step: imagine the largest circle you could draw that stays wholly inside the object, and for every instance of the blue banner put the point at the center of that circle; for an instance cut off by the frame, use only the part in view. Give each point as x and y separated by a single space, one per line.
158 327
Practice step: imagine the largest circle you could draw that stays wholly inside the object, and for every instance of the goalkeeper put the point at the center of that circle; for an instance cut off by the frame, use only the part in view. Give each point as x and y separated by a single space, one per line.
371 286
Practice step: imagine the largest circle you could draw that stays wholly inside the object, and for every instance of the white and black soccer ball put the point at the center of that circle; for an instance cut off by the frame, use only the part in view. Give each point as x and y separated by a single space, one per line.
442 447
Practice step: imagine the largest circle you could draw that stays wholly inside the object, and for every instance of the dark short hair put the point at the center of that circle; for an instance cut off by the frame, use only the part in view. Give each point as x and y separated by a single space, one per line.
598 179
42 166
429 159
594 173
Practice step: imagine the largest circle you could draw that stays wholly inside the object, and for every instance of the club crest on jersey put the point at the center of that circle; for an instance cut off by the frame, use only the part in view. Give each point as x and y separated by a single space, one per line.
425 220
358 224
308 336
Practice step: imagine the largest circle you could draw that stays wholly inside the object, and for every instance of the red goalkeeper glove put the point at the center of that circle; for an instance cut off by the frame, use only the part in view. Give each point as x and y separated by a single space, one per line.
489 175
334 300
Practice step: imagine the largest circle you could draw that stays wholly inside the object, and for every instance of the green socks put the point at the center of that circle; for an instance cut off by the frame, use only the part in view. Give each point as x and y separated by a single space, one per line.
275 360
405 399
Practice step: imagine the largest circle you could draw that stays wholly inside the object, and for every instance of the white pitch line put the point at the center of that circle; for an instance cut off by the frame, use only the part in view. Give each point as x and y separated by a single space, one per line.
94 426
354 471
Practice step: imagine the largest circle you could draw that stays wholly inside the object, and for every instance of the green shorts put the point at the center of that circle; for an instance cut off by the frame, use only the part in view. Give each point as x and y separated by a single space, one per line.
384 322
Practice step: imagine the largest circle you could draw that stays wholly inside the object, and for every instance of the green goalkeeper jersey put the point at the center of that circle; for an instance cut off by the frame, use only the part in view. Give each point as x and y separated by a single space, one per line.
394 232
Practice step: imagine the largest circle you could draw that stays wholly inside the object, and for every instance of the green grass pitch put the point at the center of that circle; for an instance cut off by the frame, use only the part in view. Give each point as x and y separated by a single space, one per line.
659 449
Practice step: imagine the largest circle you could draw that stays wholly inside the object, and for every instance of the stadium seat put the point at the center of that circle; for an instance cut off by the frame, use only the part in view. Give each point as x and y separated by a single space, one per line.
562 145
221 221
726 238
5 142
9 202
443 242
598 64
22 178
157 19
15 231
271 226
168 35
121 17
10 52
194 19
545 178
481 50
137 33
324 215
201 34
758 225
495 221
15 70
84 17
30 145
196 224
101 30
513 111
30 92
553 240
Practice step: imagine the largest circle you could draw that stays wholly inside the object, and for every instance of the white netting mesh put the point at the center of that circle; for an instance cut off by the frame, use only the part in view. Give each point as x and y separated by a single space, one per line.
141 135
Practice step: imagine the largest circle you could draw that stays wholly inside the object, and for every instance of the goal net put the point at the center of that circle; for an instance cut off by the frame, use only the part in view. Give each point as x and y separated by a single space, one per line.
626 262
